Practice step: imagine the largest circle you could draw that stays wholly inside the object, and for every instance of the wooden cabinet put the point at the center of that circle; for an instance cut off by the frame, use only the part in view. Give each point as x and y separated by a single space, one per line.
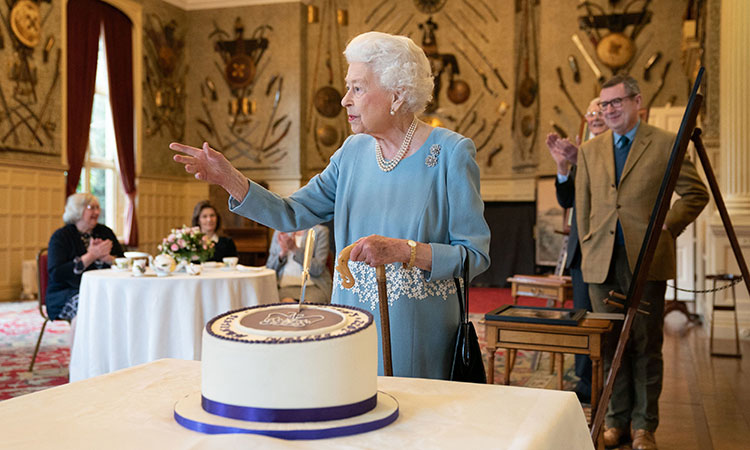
252 244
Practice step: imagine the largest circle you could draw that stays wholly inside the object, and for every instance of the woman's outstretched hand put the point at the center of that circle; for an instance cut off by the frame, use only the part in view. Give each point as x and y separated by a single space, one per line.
211 166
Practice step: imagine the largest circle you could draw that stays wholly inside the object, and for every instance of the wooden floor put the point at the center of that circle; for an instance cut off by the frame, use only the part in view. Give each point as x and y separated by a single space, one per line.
705 402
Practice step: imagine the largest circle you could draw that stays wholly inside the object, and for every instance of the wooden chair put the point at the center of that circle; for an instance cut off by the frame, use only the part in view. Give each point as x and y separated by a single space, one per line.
43 280
556 289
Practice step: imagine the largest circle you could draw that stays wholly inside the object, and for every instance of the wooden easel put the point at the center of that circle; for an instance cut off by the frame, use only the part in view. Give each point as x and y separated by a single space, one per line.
687 132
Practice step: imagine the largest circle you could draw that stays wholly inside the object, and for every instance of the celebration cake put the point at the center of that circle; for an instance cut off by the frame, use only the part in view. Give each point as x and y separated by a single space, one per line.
295 374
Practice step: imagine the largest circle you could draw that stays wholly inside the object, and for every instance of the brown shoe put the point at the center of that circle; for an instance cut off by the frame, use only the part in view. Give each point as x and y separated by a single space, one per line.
613 436
644 440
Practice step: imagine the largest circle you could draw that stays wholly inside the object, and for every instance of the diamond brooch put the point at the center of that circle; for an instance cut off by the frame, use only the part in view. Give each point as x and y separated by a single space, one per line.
432 158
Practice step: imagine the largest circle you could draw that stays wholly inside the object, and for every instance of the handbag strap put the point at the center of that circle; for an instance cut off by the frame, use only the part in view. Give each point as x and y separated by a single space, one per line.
463 297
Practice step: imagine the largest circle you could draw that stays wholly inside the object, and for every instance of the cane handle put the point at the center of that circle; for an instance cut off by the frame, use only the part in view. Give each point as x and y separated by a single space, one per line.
342 267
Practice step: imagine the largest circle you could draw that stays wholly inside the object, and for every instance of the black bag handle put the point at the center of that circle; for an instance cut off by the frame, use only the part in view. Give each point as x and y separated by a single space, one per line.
463 306
463 297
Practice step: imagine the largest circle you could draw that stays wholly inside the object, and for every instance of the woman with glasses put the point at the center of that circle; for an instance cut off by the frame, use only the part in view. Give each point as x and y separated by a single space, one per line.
82 244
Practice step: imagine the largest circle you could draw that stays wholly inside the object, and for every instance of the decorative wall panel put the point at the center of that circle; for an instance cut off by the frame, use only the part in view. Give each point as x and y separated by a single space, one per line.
31 207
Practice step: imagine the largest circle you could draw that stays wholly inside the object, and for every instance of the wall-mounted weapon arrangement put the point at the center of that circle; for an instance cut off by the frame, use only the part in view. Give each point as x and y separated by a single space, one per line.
245 135
326 126
27 119
469 57
525 123
164 86
607 32
463 71
458 91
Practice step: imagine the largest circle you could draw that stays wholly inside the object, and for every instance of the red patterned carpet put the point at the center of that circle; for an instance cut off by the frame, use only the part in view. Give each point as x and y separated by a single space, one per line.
20 323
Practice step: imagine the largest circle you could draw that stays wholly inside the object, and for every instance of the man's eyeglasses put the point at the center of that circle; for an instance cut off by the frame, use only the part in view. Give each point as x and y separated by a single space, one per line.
615 102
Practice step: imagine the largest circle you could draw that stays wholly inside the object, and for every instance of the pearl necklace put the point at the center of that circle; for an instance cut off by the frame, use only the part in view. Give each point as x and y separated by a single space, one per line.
387 166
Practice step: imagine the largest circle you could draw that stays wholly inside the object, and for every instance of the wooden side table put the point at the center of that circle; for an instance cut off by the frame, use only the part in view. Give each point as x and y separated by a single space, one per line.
554 288
583 339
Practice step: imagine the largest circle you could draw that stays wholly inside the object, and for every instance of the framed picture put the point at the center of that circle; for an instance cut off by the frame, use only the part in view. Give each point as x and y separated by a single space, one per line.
549 234
533 314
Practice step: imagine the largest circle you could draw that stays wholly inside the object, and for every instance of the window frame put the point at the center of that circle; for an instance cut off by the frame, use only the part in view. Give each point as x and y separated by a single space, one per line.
116 201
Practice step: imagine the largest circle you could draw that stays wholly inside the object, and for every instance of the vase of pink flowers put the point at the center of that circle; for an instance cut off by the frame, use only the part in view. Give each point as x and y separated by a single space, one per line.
187 244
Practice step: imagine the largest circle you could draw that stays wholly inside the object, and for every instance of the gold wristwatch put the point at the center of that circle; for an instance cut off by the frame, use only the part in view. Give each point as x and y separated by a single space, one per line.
413 254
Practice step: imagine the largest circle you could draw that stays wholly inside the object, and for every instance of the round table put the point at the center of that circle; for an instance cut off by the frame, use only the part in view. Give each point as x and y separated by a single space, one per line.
124 320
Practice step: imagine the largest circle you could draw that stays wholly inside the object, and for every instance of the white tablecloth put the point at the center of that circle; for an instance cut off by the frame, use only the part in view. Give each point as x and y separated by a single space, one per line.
133 408
124 320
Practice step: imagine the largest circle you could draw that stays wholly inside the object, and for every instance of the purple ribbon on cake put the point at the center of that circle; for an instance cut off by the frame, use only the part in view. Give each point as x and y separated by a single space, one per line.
288 415
325 433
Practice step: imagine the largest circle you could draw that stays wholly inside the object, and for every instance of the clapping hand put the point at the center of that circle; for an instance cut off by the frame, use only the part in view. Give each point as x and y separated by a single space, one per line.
100 249
563 151
286 242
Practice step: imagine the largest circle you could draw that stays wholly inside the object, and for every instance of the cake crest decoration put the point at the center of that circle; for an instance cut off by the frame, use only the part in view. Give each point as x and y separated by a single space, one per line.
293 319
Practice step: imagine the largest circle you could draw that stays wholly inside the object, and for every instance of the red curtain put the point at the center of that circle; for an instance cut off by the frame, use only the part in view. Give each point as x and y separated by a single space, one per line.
85 19
84 26
117 36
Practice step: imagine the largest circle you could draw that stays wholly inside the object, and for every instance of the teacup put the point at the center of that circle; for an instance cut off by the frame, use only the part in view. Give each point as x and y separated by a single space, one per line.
139 267
194 269
230 262
122 263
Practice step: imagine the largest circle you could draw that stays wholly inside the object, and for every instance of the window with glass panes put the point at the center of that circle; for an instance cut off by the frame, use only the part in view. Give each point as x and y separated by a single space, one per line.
100 174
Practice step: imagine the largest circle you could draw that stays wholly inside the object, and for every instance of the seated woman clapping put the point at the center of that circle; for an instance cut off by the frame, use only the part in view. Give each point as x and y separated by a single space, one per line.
286 255
81 245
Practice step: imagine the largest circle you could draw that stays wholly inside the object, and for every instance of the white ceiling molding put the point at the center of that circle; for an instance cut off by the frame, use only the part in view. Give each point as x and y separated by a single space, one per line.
192 5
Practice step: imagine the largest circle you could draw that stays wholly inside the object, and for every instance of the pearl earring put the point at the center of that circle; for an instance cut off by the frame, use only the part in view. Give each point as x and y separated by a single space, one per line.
393 113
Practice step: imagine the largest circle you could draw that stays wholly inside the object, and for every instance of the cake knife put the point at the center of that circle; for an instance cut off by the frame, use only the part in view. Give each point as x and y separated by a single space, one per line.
309 242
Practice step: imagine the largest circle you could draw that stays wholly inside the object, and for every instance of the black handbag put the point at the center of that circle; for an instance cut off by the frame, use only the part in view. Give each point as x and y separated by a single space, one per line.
467 357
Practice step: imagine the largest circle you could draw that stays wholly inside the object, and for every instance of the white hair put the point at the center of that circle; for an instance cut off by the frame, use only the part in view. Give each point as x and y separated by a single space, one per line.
593 103
398 63
75 205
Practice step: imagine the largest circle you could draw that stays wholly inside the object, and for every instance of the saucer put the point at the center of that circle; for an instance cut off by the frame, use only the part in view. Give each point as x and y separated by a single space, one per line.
251 269
132 255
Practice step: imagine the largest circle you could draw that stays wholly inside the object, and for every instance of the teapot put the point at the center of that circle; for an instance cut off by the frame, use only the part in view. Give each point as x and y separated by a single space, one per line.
163 264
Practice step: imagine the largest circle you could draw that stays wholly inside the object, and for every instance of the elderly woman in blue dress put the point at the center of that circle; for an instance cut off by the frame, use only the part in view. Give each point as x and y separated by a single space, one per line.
405 193
82 244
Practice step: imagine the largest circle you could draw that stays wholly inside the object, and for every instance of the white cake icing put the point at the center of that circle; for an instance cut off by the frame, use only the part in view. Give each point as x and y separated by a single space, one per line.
319 365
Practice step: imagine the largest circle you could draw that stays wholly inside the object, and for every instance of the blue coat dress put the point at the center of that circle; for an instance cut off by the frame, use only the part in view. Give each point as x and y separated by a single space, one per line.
432 196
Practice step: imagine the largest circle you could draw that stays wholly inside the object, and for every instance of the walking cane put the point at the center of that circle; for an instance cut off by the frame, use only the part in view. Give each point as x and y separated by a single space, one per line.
347 280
